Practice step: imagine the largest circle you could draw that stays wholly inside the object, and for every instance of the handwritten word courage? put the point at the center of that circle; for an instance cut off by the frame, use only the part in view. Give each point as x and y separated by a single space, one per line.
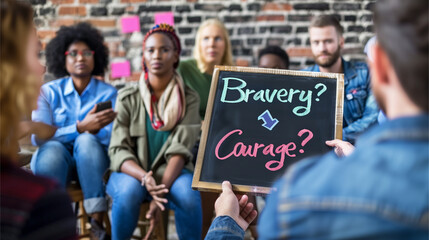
267 95
240 149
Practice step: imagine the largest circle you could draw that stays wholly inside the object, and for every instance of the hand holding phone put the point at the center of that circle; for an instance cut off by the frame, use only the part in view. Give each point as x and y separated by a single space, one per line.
96 119
103 106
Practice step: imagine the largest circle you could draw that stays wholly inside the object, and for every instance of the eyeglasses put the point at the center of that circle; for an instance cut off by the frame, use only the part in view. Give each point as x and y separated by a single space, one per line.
84 53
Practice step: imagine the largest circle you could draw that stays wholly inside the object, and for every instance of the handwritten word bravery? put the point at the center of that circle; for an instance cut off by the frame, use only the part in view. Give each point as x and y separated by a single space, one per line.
267 95
240 149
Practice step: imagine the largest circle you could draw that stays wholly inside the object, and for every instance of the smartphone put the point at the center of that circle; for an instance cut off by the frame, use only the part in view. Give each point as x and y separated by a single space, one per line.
103 106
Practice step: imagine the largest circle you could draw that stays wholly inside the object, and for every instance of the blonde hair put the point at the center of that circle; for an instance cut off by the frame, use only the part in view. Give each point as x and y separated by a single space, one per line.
17 91
227 55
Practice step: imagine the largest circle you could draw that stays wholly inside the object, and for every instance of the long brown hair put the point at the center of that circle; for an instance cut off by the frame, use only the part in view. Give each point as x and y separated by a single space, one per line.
16 86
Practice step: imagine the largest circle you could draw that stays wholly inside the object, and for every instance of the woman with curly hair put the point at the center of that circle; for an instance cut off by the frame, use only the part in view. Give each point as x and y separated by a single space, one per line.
156 126
78 149
32 207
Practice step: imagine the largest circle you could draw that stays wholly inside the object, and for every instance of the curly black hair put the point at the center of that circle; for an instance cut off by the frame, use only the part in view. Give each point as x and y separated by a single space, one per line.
65 36
276 51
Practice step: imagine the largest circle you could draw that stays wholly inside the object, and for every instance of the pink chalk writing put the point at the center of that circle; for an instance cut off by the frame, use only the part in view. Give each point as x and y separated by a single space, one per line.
306 139
240 149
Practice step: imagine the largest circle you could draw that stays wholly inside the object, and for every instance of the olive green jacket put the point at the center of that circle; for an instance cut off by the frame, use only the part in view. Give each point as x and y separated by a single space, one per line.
129 142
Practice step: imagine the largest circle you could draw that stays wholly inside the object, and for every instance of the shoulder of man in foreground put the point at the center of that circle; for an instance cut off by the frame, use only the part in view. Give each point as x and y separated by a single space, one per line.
380 190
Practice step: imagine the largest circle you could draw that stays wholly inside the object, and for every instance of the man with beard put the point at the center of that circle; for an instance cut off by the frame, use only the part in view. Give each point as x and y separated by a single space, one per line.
360 108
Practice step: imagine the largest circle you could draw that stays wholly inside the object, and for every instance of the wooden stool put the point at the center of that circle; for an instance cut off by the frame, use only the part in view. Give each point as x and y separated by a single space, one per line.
76 195
143 224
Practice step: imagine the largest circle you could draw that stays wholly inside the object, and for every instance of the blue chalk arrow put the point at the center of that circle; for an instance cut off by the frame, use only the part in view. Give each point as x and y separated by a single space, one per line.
269 121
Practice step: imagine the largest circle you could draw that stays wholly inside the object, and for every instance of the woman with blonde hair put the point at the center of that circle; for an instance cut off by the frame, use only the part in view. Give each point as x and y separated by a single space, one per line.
212 47
31 207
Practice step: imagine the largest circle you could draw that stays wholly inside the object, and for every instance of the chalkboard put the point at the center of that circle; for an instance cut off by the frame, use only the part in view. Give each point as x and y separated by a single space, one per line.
260 121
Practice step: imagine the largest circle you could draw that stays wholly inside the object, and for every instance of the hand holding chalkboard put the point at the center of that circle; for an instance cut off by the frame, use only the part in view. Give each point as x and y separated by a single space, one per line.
260 121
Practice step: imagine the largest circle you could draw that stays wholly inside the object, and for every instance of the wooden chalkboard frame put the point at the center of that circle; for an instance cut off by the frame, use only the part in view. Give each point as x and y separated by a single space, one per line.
217 187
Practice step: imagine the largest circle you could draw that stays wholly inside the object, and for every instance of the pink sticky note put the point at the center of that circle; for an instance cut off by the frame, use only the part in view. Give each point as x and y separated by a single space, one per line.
120 69
164 17
130 24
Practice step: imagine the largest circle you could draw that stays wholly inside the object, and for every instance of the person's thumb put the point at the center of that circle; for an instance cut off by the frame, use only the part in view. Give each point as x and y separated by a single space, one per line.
330 143
93 109
226 187
149 214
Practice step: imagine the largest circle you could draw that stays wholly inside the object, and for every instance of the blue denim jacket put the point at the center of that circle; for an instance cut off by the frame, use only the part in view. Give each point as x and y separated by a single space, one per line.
360 107
380 191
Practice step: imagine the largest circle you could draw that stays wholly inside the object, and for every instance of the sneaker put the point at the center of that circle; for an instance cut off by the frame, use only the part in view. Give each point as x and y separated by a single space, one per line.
98 232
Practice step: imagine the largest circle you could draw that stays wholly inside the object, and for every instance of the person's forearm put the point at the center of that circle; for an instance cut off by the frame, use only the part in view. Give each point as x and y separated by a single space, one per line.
24 129
173 169
131 168
43 131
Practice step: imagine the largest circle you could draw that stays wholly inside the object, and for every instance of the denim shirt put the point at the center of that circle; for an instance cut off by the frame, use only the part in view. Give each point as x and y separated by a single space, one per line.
60 105
224 228
380 191
360 107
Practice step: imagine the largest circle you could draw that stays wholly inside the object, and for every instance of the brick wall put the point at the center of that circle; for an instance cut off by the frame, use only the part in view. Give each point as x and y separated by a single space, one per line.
252 24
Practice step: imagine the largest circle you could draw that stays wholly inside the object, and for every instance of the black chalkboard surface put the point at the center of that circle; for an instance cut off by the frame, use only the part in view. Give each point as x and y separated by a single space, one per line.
260 121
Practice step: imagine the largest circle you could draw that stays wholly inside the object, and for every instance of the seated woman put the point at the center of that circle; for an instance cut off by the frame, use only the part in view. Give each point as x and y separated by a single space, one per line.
32 207
156 126
78 149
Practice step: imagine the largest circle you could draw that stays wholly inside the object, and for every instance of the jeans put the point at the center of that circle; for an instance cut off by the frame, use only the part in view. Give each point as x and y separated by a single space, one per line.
128 194
86 156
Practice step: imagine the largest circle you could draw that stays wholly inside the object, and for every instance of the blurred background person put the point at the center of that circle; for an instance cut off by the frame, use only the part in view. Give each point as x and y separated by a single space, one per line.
156 128
273 57
78 149
31 207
